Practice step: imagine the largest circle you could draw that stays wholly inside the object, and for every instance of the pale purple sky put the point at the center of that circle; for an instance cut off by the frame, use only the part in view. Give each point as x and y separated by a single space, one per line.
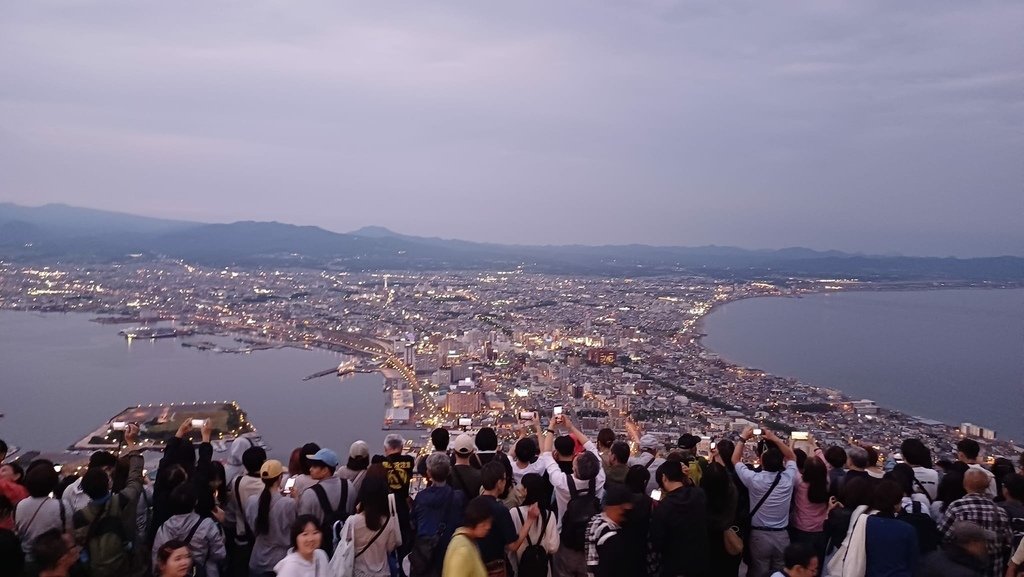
873 126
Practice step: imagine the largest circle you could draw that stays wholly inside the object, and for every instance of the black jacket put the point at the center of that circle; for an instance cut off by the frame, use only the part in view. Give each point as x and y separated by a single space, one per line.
679 533
951 561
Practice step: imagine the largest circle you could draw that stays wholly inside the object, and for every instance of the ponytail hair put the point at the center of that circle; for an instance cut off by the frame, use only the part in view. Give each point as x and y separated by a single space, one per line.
263 511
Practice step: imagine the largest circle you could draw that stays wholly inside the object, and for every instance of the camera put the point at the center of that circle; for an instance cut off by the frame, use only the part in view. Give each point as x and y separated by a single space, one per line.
800 435
465 422
196 423
757 432
527 415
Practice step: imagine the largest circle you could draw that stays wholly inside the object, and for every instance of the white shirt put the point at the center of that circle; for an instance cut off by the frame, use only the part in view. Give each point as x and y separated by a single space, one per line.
293 565
536 467
549 540
927 482
560 481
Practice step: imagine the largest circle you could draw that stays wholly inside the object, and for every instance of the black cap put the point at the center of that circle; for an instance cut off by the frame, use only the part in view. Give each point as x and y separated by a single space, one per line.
617 494
688 441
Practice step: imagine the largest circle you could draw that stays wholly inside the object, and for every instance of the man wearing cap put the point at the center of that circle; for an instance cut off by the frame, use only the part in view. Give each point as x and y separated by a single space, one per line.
688 453
962 556
978 508
649 458
331 498
605 547
465 477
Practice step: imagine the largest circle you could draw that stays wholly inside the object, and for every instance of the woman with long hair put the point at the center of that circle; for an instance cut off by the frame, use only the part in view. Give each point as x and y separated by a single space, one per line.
544 532
305 558
271 515
173 559
721 503
373 530
810 506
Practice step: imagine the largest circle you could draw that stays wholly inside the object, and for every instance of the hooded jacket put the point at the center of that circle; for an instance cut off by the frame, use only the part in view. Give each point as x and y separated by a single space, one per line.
206 546
679 532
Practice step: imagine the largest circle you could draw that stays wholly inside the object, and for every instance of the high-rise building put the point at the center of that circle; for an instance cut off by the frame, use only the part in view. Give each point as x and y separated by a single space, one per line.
410 355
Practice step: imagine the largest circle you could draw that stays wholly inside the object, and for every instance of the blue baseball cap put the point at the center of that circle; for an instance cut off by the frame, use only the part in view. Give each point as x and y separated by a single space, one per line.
325 456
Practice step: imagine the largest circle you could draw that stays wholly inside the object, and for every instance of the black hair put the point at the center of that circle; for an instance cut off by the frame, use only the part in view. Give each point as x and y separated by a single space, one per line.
315 463
96 483
951 487
307 449
605 437
886 497
771 460
48 549
903 475
486 439
856 492
815 474
1000 469
102 459
299 526
538 490
725 448
637 478
183 499
1014 485
373 499
801 459
835 456
715 482
218 473
915 453
263 508
526 450
478 510
490 474
872 455
797 555
40 480
672 470
165 550
565 446
440 437
253 458
620 450
969 447
3 447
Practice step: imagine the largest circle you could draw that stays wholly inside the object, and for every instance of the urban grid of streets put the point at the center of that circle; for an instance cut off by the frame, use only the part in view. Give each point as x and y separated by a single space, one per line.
609 349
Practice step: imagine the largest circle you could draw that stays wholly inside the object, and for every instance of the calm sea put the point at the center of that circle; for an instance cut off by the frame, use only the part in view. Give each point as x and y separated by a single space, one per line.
62 375
951 355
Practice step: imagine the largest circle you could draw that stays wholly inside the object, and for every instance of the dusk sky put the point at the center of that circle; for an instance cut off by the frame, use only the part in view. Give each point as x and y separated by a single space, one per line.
862 126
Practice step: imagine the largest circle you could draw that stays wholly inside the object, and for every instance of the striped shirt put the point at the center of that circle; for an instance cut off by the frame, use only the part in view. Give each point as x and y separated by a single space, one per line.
981 510
600 530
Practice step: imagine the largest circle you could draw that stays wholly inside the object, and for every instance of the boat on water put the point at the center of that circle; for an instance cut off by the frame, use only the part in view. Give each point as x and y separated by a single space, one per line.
152 332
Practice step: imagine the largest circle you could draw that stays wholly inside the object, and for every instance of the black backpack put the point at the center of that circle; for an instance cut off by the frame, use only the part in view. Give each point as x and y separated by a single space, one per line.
333 520
582 506
928 536
535 559
198 565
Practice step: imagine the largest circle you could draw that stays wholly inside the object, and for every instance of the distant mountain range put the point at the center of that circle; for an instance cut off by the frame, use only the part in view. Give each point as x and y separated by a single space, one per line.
57 232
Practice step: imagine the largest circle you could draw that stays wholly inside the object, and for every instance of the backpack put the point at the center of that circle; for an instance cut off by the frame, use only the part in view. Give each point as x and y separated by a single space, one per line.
426 549
928 536
108 545
582 505
333 521
198 566
535 559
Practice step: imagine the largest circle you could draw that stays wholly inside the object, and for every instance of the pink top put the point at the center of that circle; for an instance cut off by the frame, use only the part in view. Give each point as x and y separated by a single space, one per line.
807 516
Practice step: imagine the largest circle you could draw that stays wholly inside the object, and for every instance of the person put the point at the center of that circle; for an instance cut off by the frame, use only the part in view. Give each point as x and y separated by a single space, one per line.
462 558
399 469
605 438
616 463
177 465
605 545
1013 496
503 537
271 516
39 512
962 556
464 476
919 457
968 451
585 486
55 554
771 493
354 470
243 488
637 526
810 506
11 488
722 500
835 458
203 535
173 559
679 524
1016 560
331 499
525 459
436 513
874 469
371 529
564 452
856 464
439 439
649 458
687 453
305 558
110 513
978 508
891 544
799 560
11 555
303 480
914 508
74 497
951 488
545 531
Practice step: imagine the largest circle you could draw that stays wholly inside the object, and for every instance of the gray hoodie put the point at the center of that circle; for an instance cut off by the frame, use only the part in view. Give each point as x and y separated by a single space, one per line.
207 545
270 548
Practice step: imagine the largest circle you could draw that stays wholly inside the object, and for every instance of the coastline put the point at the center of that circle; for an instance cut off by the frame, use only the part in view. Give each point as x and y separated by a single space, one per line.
698 335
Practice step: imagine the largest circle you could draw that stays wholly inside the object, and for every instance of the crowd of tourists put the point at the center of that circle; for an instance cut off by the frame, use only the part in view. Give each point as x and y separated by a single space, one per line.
553 504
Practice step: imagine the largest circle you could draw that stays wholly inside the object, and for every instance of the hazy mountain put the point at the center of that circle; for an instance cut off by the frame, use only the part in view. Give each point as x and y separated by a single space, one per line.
60 232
